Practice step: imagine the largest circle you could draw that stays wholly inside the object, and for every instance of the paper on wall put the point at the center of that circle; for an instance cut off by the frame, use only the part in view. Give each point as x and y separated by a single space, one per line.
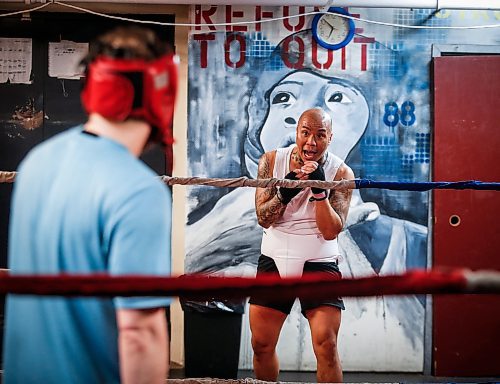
64 59
15 60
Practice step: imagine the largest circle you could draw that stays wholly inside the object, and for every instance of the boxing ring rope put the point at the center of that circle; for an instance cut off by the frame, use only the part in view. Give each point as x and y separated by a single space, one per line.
340 184
202 287
9 177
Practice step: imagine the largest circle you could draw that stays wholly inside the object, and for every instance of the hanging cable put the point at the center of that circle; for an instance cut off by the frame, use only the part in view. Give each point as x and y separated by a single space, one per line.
249 22
25 10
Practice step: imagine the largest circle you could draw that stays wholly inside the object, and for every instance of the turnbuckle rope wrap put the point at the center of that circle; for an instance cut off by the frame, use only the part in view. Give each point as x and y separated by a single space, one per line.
7 177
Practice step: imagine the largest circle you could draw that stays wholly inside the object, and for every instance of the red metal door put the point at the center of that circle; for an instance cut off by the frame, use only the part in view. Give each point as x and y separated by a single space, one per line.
466 230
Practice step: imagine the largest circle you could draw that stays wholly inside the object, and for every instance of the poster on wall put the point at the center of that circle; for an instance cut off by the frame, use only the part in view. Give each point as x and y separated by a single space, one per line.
252 72
15 60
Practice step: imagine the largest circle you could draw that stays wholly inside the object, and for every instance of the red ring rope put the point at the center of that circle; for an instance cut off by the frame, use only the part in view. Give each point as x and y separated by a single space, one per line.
202 287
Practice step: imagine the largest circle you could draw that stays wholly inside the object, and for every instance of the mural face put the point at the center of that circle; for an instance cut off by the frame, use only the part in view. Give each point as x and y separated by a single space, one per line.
248 85
296 92
302 90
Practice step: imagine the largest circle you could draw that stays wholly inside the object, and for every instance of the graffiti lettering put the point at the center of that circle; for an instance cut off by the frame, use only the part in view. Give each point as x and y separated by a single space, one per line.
259 15
230 14
300 23
295 51
242 48
293 20
203 38
286 56
315 59
407 113
205 15
391 116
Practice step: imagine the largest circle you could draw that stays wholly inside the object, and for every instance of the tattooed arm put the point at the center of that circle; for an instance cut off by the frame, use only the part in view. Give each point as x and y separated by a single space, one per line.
267 205
331 214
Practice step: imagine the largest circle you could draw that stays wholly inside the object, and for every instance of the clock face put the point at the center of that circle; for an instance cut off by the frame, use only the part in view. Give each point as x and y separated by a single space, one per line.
333 29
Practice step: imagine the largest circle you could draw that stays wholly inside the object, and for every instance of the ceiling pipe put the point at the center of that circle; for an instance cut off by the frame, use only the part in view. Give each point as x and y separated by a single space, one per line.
425 4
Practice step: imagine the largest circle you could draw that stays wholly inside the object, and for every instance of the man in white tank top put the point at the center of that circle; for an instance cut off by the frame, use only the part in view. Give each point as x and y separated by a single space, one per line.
300 236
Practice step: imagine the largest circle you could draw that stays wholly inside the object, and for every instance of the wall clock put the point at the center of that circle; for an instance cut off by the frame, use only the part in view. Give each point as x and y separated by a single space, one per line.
332 31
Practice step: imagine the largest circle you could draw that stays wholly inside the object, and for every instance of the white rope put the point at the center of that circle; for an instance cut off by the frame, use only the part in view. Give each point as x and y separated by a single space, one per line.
258 183
249 22
9 177
24 10
482 281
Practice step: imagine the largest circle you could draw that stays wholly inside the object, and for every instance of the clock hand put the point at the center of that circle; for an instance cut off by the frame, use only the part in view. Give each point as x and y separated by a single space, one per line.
329 24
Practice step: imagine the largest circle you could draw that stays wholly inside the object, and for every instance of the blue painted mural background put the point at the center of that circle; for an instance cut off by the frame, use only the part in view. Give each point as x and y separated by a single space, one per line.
248 81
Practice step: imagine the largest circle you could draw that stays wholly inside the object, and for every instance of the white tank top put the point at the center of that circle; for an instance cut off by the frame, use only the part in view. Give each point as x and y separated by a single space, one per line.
296 235
300 215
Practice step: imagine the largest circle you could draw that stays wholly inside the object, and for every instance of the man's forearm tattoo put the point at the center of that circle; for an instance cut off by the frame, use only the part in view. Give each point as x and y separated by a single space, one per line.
270 210
268 207
339 200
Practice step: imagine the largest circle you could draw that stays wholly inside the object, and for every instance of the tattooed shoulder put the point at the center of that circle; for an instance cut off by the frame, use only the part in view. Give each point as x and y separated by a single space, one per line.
266 164
341 199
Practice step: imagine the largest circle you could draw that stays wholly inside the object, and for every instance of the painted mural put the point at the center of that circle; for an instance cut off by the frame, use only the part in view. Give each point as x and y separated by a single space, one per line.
248 85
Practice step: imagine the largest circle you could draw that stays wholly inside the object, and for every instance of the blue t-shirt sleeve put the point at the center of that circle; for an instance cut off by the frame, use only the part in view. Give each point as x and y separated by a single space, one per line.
140 241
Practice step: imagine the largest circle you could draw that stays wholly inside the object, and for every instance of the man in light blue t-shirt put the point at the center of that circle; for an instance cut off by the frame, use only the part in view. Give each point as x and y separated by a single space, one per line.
84 203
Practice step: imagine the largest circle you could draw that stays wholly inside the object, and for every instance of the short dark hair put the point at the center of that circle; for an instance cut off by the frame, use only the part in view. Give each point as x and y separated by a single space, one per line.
127 42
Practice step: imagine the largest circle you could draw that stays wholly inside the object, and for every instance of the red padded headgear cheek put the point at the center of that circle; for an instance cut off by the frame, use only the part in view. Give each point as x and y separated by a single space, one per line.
107 93
159 94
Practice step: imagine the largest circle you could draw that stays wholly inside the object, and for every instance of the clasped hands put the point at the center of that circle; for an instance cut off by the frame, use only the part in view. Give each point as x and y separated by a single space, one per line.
311 170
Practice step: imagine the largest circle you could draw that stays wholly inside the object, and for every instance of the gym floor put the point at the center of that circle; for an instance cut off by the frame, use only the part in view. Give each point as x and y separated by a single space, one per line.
359 377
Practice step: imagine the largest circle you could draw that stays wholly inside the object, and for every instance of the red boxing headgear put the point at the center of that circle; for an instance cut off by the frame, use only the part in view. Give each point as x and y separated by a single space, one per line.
119 89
